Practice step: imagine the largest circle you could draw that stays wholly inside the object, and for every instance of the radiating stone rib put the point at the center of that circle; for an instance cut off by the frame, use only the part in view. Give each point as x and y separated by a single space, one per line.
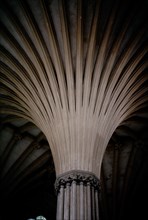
76 89
56 57
67 57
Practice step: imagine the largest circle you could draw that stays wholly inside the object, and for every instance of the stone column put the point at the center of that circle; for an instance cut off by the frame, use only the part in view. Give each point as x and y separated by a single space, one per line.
77 193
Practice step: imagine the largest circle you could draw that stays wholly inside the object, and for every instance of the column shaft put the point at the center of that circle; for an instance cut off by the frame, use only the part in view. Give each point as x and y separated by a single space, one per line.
77 196
81 200
67 202
73 205
89 202
60 204
96 204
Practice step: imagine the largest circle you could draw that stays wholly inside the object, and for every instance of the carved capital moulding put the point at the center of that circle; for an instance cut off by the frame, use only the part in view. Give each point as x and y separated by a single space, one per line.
79 177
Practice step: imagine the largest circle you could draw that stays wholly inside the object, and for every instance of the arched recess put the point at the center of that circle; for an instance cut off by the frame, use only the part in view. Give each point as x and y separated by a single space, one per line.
27 171
124 171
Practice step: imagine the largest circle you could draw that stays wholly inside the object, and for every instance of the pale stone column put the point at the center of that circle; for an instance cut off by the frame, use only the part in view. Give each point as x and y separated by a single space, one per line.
60 203
67 202
77 187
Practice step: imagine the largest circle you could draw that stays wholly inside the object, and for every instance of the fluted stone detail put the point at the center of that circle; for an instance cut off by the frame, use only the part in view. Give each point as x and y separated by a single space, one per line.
67 67
79 177
77 196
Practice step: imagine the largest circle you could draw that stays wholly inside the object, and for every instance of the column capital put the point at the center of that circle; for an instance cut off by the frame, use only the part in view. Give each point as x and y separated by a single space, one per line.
79 177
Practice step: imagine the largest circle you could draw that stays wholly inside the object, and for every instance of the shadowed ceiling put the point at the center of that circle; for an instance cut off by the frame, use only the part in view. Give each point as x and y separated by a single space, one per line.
74 57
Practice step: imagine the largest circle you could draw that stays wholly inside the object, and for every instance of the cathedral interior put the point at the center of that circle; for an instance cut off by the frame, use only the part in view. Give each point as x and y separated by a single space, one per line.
27 166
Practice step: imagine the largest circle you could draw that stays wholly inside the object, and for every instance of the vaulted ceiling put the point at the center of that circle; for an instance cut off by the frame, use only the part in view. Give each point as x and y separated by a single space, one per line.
60 58
27 172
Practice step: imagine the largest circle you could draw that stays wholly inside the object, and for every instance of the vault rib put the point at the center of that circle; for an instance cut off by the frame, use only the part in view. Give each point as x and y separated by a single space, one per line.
79 97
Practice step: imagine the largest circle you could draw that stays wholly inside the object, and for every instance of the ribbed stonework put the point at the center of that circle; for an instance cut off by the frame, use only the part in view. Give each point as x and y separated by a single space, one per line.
77 196
74 69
